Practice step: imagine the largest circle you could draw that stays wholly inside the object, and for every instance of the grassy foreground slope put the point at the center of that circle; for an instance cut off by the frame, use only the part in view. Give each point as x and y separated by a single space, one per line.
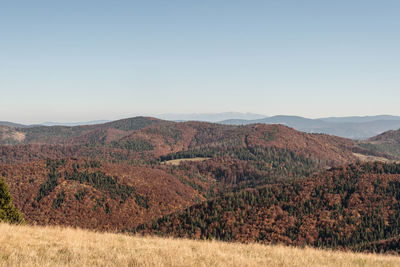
55 246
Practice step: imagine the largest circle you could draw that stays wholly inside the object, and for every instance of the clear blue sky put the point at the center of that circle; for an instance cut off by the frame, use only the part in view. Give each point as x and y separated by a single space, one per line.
85 60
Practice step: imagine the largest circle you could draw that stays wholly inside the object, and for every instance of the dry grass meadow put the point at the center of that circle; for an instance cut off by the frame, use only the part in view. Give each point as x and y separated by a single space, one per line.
368 158
178 161
56 246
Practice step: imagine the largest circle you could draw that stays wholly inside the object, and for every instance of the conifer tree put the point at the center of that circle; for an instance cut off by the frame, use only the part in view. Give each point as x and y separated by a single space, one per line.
8 212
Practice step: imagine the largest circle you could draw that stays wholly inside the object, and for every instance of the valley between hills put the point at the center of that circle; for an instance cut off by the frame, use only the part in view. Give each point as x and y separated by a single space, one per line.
256 183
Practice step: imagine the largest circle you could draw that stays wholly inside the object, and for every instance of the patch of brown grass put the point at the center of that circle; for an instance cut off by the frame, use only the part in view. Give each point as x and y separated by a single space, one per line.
11 133
178 161
368 158
56 246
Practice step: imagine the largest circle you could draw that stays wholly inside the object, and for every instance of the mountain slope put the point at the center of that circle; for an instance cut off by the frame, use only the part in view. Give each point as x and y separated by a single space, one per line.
138 138
346 207
388 143
59 192
197 135
93 194
75 134
117 175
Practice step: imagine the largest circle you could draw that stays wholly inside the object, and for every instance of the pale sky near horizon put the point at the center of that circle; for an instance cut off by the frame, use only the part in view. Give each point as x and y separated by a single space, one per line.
87 60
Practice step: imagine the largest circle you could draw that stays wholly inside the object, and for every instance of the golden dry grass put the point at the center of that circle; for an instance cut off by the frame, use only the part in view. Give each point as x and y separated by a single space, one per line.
56 246
368 158
178 161
10 133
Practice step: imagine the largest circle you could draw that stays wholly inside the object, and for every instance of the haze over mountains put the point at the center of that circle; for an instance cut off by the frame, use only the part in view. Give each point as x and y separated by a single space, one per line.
210 117
348 127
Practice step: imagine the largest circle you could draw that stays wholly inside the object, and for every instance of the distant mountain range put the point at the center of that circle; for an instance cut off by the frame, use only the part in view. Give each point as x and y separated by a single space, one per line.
206 117
50 123
348 127
354 127
209 117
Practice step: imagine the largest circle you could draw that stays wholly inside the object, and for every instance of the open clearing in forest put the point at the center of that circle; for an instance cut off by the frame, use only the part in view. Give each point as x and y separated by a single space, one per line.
178 161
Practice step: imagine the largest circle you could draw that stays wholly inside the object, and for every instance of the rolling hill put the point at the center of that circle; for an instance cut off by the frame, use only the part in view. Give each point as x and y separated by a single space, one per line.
117 175
74 135
117 184
140 137
388 143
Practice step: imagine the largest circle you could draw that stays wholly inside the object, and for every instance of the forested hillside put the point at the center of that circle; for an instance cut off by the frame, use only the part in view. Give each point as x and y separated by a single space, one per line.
388 143
354 206
91 194
119 175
